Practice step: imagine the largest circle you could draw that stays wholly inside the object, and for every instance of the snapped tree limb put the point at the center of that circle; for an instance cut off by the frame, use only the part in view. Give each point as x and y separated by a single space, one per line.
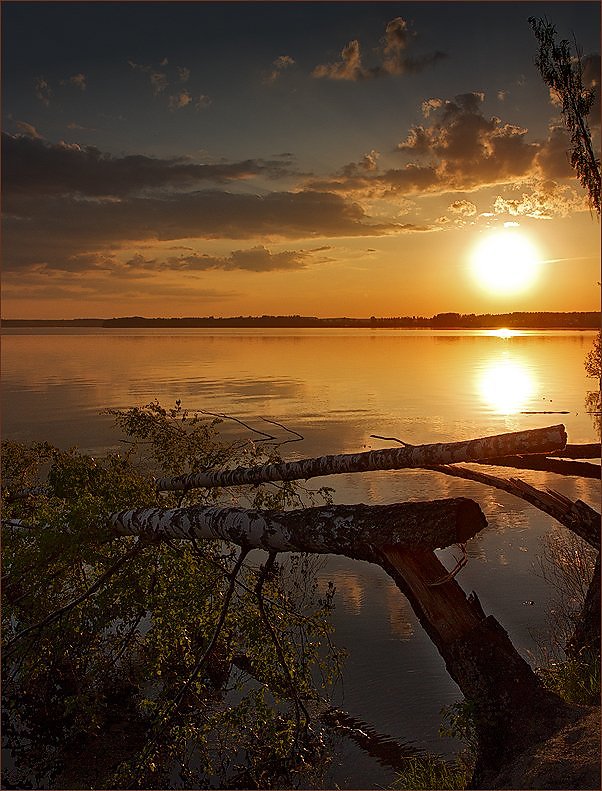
578 516
352 530
541 440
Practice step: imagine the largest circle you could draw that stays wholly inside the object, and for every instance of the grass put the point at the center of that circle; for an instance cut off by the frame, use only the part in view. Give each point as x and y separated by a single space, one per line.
575 680
432 772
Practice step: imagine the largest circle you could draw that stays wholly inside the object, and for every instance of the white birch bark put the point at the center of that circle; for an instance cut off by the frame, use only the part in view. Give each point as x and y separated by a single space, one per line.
542 440
352 530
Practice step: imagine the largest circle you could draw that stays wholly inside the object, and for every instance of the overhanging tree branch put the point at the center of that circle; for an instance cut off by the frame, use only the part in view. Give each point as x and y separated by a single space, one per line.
563 73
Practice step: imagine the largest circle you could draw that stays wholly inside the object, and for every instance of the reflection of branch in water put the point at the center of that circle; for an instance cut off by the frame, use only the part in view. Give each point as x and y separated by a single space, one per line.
460 563
387 750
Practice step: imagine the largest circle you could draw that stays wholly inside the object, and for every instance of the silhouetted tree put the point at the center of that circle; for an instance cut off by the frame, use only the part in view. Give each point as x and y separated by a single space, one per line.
563 73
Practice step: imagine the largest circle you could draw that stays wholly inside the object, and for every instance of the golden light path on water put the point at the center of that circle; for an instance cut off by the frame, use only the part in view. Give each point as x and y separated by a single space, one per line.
506 384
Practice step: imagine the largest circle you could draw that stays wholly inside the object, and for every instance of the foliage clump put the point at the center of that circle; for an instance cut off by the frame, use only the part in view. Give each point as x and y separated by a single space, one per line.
113 660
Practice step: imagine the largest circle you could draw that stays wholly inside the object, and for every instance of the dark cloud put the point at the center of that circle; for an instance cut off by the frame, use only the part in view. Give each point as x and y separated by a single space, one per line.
77 81
43 90
470 150
161 79
254 259
32 166
367 164
180 100
202 102
79 127
48 284
553 157
57 231
348 68
392 56
457 148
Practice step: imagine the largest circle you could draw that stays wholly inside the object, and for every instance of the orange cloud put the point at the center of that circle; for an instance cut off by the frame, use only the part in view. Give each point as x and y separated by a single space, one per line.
29 130
392 57
278 66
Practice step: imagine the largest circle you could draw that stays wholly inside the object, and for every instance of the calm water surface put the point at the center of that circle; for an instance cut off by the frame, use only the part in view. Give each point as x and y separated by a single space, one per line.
337 387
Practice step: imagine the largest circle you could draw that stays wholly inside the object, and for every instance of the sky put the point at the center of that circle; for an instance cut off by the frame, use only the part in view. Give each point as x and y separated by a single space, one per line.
313 158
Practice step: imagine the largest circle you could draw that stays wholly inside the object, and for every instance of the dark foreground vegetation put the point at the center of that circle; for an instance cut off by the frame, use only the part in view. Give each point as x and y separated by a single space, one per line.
137 654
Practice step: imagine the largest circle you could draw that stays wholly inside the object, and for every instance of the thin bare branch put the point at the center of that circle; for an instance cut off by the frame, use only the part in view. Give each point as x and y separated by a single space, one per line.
298 437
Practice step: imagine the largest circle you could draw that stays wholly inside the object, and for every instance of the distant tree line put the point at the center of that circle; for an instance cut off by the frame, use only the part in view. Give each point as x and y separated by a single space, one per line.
515 320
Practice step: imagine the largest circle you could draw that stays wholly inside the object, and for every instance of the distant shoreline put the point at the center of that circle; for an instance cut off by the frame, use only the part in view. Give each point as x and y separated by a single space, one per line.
517 320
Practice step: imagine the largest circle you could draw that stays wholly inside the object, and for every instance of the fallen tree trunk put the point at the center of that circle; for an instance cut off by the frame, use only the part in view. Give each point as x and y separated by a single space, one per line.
353 530
541 440
513 711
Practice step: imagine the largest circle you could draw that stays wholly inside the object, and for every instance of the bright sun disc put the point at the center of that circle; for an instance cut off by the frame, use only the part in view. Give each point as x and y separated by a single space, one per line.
505 262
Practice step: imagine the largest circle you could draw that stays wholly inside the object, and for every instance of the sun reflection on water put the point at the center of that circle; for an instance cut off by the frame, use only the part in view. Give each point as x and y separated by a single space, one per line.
503 332
506 385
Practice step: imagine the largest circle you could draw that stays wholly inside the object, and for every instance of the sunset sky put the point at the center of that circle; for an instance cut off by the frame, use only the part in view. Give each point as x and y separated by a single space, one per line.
329 159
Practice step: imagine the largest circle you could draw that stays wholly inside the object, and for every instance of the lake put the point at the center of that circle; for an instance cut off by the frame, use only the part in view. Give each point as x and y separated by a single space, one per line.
336 388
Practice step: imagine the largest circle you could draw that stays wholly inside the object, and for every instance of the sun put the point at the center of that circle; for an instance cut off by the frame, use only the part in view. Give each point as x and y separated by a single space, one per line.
505 262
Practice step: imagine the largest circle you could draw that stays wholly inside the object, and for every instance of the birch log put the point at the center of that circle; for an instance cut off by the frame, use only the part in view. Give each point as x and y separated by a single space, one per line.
356 531
541 440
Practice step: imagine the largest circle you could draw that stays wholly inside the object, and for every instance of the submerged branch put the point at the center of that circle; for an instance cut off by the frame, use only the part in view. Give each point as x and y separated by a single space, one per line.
582 469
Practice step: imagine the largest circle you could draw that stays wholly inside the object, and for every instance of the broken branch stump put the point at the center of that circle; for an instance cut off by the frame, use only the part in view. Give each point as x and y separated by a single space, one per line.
512 708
